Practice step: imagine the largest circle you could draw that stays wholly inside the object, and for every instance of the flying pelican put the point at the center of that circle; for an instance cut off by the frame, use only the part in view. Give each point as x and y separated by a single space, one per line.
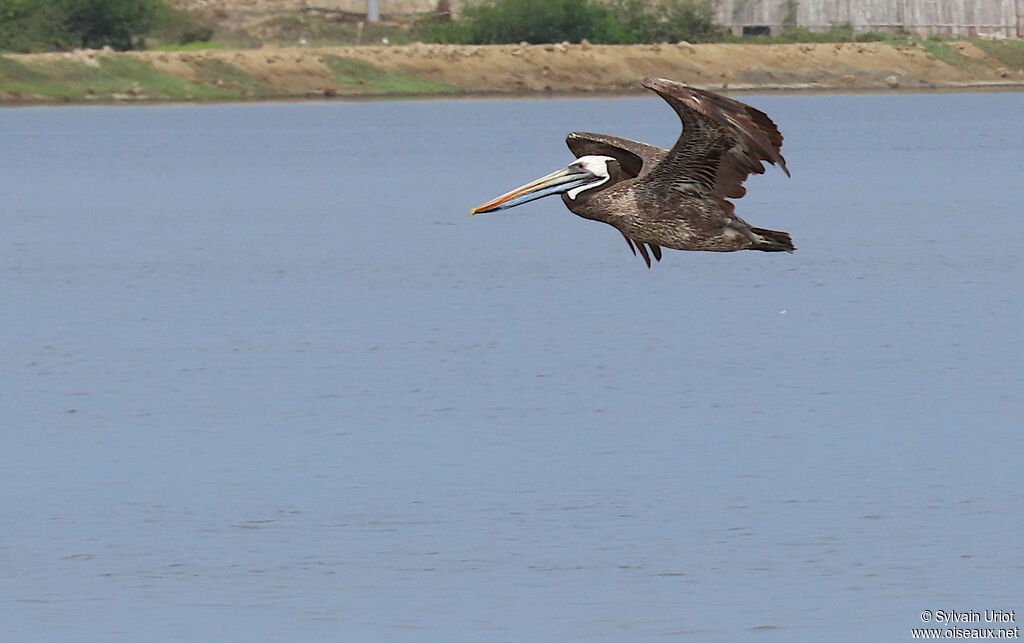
669 198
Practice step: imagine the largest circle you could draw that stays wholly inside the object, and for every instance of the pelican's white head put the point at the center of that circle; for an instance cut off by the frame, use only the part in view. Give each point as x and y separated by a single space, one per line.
585 173
596 165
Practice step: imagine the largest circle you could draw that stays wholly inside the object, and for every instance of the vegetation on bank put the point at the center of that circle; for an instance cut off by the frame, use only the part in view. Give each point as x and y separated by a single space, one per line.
551 21
62 25
350 72
82 76
108 77
105 78
1008 52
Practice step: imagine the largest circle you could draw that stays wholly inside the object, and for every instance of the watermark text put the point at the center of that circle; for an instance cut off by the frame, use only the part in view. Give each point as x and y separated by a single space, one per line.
967 624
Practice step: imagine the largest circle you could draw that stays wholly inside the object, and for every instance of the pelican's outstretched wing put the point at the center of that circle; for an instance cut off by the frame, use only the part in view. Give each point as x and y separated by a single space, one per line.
723 142
635 158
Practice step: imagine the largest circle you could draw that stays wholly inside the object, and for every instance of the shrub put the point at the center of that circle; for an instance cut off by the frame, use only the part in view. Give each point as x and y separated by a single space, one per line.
45 25
110 23
28 25
668 20
540 21
544 21
452 32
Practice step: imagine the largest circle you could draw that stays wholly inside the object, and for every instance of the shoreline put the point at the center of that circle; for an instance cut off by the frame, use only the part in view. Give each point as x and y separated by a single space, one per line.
495 71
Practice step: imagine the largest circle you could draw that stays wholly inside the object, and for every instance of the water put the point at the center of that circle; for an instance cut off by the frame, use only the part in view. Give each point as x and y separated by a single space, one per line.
265 379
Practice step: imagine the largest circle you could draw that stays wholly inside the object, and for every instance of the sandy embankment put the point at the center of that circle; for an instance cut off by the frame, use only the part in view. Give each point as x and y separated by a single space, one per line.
584 68
564 68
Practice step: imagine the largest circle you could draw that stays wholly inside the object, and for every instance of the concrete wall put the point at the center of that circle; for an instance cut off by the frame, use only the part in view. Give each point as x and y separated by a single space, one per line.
962 18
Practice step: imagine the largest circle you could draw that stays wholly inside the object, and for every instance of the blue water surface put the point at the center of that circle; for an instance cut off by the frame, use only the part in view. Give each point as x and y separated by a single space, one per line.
265 379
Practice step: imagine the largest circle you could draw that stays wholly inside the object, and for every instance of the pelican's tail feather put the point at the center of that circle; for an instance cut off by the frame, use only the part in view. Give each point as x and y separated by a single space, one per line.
773 241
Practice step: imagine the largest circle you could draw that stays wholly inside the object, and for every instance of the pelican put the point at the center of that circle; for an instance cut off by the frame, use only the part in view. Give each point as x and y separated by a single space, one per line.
674 198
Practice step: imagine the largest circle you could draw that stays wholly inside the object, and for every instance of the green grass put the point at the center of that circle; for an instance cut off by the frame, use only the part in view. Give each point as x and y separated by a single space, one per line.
118 77
192 46
114 76
1007 52
356 72
942 51
13 72
226 76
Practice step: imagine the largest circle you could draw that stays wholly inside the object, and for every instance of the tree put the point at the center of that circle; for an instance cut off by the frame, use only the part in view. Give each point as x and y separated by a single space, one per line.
46 25
538 21
30 25
669 20
115 23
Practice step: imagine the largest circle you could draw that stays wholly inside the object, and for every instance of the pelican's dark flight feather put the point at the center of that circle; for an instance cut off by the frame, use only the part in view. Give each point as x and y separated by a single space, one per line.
670 198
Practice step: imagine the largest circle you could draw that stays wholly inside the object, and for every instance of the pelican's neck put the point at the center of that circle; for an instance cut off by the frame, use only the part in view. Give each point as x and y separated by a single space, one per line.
575 192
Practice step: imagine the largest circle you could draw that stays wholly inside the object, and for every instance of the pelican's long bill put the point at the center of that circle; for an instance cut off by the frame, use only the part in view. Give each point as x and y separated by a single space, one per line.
563 180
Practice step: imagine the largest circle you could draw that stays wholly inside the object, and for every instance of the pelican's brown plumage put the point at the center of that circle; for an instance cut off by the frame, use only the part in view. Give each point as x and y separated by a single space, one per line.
674 198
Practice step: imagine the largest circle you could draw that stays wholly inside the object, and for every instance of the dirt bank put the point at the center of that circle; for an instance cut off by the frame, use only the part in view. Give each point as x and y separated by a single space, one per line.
419 69
576 68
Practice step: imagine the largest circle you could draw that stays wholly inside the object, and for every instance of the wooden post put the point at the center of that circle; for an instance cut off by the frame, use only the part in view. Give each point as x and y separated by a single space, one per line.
444 10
